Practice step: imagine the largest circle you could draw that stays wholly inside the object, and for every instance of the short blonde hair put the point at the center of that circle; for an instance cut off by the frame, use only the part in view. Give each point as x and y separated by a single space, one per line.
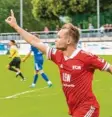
73 31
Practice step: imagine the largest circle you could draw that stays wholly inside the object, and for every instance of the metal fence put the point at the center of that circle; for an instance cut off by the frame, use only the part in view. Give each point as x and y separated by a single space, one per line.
84 34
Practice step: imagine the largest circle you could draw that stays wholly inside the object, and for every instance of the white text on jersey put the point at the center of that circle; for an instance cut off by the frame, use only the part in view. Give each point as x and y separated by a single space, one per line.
66 77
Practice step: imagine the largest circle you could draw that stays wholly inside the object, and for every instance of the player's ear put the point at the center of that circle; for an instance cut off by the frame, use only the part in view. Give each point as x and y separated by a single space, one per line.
69 41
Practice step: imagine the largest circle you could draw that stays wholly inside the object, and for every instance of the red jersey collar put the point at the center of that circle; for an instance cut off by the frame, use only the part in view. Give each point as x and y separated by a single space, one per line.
73 54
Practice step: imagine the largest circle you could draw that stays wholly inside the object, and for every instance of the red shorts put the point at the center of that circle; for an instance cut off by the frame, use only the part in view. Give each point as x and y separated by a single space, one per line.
86 111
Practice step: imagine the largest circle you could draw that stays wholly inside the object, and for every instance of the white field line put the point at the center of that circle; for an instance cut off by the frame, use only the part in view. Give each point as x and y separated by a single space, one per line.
22 93
40 95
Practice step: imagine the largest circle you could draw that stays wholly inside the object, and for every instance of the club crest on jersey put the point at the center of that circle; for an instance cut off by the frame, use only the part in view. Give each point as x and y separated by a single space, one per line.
76 67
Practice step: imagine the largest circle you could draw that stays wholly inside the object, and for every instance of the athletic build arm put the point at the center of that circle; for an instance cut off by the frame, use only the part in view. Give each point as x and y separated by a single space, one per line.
33 40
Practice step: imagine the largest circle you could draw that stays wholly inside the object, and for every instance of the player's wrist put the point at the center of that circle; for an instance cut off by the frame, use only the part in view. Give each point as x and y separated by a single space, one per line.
16 27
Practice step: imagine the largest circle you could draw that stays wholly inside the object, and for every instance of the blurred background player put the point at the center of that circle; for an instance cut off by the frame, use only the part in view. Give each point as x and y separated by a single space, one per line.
14 65
38 62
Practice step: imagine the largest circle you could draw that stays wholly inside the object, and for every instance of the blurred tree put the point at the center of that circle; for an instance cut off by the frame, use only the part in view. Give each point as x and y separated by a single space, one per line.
40 13
55 8
28 19
77 10
5 6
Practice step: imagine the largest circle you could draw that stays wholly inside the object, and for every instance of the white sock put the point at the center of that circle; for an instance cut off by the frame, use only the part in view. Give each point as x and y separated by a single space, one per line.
33 84
49 82
18 73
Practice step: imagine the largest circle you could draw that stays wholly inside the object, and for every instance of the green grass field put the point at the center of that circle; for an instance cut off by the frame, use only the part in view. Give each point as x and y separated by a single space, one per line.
47 102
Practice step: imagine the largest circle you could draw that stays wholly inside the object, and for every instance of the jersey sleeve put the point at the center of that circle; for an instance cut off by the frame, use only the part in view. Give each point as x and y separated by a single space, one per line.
96 62
54 55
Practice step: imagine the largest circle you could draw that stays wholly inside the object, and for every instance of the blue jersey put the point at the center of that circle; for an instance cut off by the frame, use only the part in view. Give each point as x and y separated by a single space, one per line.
38 56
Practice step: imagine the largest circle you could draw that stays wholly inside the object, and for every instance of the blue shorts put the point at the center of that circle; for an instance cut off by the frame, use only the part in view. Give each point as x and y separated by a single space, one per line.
39 66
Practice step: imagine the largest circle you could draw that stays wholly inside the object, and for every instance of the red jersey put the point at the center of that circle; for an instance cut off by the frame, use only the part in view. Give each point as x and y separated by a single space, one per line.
77 74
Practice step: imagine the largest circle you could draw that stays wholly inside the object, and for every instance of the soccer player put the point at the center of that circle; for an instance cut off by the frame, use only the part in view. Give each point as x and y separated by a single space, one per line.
76 68
14 65
38 62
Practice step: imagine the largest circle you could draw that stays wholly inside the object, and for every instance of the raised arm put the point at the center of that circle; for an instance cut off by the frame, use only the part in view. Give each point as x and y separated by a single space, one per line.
33 40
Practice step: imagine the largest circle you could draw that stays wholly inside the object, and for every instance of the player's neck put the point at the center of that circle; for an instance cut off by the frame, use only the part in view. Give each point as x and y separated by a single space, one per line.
69 51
